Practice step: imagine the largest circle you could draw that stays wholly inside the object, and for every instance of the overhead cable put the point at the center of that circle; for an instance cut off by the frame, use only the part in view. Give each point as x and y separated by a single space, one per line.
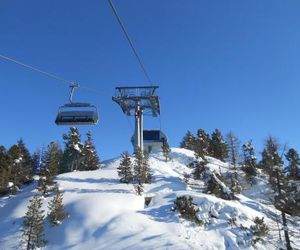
129 41
58 78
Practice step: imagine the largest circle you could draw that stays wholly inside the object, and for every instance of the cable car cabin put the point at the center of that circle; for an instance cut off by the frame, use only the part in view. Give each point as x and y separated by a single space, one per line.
77 114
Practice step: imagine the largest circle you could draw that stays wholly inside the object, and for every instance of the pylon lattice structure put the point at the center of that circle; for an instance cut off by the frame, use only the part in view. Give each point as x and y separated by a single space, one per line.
138 101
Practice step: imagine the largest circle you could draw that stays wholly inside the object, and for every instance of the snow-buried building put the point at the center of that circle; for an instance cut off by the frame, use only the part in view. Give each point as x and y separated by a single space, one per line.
152 140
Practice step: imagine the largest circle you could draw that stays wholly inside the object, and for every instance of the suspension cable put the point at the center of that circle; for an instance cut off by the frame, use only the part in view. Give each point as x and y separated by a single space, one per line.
50 75
129 41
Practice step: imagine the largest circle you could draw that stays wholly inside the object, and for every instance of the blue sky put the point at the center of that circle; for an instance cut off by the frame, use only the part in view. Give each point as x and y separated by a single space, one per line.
232 65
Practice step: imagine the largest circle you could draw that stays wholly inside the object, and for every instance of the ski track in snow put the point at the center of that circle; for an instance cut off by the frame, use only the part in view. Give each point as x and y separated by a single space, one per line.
106 214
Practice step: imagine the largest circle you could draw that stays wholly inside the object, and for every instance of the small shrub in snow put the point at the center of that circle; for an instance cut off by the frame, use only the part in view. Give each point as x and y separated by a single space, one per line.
232 221
259 230
215 186
184 205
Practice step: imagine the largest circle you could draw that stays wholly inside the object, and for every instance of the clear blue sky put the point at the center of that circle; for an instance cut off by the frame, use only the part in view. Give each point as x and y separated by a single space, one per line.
232 65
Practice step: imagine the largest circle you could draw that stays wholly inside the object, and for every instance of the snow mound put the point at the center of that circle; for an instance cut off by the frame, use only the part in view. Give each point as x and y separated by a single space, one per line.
107 214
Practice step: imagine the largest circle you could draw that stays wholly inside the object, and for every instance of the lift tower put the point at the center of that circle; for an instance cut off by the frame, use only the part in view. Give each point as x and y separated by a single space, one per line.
138 101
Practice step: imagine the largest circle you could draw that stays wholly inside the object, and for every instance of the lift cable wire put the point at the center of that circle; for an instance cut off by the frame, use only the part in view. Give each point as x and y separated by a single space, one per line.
50 75
129 40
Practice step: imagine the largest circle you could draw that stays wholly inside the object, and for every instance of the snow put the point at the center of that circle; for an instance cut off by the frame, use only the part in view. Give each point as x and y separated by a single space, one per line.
107 214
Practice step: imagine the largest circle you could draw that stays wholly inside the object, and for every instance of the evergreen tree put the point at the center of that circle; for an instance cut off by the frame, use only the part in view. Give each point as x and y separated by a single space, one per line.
273 165
293 159
4 171
33 233
38 161
259 230
218 147
271 162
202 142
188 141
56 207
141 171
72 156
166 149
199 169
125 169
187 209
90 158
249 164
22 165
52 160
233 145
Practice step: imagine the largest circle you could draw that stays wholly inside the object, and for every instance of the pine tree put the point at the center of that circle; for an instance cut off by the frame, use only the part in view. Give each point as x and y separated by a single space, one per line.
56 207
202 142
259 230
52 160
271 162
187 209
233 145
273 165
218 147
90 158
293 169
72 156
33 233
199 169
249 165
166 149
141 171
188 141
38 161
4 172
125 168
22 165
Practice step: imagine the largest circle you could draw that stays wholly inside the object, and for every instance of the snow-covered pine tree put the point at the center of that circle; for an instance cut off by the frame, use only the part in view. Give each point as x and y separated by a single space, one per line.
166 149
72 156
201 146
33 228
293 168
56 208
125 168
90 159
249 164
188 141
218 147
52 160
233 145
21 164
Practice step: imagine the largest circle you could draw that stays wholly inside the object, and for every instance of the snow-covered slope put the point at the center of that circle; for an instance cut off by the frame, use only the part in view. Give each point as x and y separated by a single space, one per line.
106 214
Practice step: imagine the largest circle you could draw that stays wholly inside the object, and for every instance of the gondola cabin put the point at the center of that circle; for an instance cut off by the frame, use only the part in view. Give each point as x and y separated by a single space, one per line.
77 114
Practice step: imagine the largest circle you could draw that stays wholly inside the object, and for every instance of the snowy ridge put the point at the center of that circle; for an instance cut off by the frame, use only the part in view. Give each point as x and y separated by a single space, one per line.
107 214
